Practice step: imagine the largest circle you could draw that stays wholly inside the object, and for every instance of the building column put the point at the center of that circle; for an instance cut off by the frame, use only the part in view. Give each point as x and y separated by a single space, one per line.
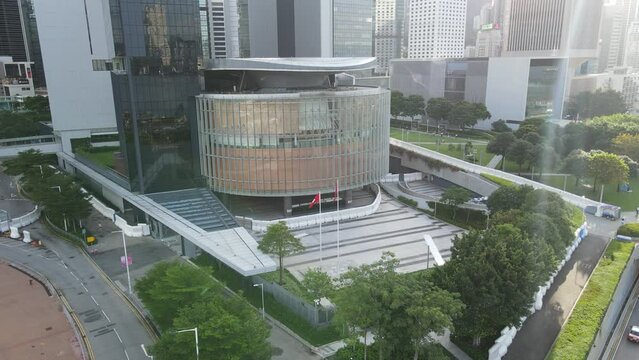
347 198
288 206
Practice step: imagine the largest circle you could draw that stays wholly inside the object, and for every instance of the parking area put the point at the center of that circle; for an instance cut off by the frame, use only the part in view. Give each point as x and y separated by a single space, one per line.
395 227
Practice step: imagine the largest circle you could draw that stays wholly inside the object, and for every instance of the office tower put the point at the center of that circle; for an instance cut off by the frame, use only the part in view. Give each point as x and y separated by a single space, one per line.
436 29
488 38
615 20
353 28
389 32
551 28
632 46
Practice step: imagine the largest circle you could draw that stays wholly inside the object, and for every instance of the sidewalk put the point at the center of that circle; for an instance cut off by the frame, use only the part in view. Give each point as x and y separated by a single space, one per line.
494 161
537 335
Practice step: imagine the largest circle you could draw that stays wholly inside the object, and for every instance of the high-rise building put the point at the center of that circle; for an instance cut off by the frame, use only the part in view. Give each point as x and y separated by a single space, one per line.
389 32
353 28
488 42
632 46
436 29
616 18
551 28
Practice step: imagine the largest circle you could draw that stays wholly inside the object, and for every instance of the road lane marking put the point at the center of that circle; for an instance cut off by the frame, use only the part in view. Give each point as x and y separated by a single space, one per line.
126 354
71 272
84 287
106 316
118 335
92 298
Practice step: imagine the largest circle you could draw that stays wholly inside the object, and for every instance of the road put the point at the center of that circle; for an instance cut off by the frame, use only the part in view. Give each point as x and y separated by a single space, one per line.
10 199
628 350
111 325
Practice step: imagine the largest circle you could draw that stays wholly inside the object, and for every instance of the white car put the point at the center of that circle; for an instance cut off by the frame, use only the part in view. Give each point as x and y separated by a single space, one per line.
633 335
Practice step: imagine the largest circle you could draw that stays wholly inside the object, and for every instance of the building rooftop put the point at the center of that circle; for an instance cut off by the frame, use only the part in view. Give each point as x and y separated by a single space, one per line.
295 64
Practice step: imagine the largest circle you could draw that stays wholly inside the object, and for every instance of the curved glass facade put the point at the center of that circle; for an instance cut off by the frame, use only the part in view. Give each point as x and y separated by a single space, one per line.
297 143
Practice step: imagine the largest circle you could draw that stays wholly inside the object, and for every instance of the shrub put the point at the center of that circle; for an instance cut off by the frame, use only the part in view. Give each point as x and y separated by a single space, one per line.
631 230
497 180
407 201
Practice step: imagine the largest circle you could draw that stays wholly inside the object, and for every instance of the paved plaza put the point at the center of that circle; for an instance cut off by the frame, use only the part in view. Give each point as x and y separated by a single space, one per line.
395 227
34 325
426 188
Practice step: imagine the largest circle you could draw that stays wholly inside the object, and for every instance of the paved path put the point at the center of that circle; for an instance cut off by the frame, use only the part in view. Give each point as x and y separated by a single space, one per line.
10 199
538 333
494 161
112 327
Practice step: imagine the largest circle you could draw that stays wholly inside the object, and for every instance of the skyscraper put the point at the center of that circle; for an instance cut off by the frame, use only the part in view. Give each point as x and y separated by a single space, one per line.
632 46
436 29
389 32
617 15
353 28
551 28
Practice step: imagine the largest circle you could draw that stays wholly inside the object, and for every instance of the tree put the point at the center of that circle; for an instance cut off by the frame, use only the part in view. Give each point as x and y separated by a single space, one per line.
519 152
318 283
21 124
602 130
25 162
480 112
465 114
543 157
500 126
438 108
37 103
279 241
169 286
576 164
626 144
586 105
397 106
455 196
414 106
496 277
533 125
228 328
606 168
507 197
500 144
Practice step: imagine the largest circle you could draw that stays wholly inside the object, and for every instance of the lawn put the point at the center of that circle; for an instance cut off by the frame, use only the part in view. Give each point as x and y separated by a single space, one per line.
103 157
497 180
575 339
626 200
429 141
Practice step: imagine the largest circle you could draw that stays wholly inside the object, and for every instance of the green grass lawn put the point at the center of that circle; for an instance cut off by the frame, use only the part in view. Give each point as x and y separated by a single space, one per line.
428 141
628 201
497 180
104 158
576 337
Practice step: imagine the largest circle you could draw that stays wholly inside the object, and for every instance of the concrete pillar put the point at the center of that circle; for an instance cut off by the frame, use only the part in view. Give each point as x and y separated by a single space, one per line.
347 198
287 203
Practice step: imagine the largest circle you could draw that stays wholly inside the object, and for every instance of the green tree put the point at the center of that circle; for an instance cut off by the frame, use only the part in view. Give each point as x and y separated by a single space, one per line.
25 162
318 283
543 157
519 152
576 164
533 125
397 103
228 328
414 106
507 197
438 108
587 105
606 168
500 144
626 144
465 114
602 130
480 112
500 126
455 196
21 124
37 103
279 241
169 286
496 276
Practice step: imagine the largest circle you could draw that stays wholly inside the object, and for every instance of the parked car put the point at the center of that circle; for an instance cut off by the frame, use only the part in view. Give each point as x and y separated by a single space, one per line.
633 335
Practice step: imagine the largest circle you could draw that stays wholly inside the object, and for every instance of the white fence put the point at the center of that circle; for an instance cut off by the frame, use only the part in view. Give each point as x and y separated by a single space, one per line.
21 221
497 351
133 231
393 178
312 220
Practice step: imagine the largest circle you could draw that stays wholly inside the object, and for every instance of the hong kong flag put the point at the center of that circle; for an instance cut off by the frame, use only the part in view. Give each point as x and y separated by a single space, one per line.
315 201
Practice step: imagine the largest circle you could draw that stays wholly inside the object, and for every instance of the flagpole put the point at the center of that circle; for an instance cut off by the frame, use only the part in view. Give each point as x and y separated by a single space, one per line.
337 191
320 230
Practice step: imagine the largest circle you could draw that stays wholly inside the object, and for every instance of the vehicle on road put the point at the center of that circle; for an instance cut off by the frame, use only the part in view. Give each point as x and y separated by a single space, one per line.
633 335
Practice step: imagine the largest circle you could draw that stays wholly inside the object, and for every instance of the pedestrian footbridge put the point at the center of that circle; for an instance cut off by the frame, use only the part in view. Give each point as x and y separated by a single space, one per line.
47 144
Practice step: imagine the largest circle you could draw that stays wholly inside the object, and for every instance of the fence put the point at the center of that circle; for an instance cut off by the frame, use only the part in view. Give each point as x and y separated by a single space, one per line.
393 178
314 315
616 306
311 220
21 221
497 351
129 230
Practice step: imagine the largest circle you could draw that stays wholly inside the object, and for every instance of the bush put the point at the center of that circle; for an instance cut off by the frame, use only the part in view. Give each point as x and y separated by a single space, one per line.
407 201
631 230
497 180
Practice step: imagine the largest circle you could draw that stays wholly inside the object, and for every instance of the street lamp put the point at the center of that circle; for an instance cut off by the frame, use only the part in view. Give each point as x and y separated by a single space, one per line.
64 215
197 341
126 259
261 286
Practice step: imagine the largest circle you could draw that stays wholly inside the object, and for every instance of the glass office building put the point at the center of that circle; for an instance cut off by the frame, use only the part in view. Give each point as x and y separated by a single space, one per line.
159 41
353 28
270 140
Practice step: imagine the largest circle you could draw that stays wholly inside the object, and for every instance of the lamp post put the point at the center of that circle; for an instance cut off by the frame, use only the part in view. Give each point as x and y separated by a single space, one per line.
197 341
64 215
126 259
261 286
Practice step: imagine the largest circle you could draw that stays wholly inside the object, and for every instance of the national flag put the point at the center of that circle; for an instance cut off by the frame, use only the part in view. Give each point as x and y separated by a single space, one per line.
336 194
316 200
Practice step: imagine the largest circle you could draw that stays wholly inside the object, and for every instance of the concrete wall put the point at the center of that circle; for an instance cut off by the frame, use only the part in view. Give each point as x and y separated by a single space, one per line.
80 98
418 77
507 88
263 28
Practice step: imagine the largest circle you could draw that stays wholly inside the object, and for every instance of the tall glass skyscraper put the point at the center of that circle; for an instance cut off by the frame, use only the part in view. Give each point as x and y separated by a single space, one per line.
159 41
353 28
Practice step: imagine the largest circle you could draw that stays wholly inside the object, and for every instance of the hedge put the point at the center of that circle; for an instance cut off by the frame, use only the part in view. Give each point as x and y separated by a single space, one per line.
631 230
497 180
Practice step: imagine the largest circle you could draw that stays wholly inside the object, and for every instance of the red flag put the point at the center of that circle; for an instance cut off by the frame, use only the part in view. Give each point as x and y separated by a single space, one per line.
316 200
336 194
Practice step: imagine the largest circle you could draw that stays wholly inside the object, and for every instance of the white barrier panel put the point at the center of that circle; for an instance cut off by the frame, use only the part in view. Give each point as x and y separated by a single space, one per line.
497 351
393 178
15 234
26 219
133 231
102 208
27 236
311 220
